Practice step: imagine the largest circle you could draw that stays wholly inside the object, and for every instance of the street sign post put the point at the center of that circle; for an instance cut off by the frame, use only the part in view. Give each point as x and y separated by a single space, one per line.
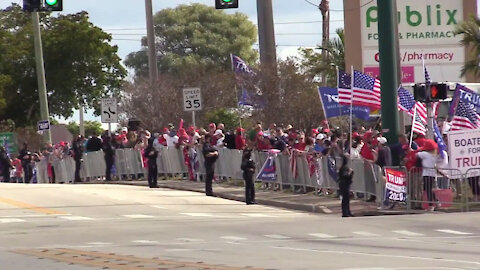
43 125
109 110
192 101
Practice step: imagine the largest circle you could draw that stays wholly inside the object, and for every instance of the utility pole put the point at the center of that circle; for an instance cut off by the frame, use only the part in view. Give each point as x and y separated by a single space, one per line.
325 10
42 85
266 35
387 44
82 123
152 52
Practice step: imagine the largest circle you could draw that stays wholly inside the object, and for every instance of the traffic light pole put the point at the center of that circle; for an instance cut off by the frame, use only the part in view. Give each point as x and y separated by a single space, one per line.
42 85
387 20
429 111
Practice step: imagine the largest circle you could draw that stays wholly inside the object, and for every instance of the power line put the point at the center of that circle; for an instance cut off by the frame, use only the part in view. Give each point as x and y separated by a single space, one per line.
339 10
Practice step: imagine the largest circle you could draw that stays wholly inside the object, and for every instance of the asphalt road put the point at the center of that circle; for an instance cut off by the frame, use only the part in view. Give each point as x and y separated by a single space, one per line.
128 227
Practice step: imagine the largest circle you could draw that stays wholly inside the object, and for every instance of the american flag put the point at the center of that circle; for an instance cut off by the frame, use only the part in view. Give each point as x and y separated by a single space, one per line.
419 125
366 91
292 157
344 84
427 76
406 103
465 117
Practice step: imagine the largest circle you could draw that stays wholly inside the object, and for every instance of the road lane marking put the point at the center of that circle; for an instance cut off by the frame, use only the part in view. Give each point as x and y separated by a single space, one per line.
189 239
145 242
32 207
138 216
256 215
99 243
233 238
454 232
75 218
321 235
197 214
409 233
377 255
11 220
366 233
277 236
158 206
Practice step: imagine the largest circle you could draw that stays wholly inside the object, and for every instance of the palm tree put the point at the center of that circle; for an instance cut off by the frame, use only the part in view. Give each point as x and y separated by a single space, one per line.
315 64
471 38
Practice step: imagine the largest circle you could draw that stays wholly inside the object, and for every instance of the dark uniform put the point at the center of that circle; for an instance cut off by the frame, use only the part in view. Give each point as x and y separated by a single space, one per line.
248 167
77 147
26 159
109 152
345 175
210 154
151 154
5 165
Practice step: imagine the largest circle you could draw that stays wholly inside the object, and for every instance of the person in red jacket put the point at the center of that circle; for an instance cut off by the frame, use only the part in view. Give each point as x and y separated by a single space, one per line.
240 139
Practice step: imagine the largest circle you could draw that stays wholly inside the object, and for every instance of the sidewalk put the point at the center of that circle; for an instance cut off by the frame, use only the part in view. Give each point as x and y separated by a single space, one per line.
302 202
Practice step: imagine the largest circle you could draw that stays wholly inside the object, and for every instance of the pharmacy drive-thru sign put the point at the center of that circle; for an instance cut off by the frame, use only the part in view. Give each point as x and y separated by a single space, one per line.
426 31
464 149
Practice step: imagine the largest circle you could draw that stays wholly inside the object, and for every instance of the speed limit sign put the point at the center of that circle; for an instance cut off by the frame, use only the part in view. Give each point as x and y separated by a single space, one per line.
192 99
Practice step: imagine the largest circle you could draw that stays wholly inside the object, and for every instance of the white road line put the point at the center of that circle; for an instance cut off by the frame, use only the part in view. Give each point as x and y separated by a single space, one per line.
75 218
138 216
189 239
366 233
197 214
98 243
409 233
454 232
277 236
178 250
256 215
233 238
11 220
145 242
321 235
158 206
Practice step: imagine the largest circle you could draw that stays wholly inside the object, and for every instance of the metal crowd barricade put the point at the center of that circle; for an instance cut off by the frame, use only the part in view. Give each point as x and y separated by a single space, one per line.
472 189
444 189
93 165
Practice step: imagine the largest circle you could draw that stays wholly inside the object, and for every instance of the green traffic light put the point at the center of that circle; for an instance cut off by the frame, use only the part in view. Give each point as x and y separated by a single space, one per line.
227 1
54 2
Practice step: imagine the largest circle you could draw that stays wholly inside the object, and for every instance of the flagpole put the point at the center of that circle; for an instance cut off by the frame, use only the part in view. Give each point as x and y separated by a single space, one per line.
413 122
338 83
351 107
323 106
236 90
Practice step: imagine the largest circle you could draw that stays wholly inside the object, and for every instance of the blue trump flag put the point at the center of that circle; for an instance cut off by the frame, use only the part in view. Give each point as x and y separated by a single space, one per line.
329 99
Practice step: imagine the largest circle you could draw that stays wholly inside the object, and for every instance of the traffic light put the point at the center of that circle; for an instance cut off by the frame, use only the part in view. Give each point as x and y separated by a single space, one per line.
31 5
53 5
420 92
222 4
438 91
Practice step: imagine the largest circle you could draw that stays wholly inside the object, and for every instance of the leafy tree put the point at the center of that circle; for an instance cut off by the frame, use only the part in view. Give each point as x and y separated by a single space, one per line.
81 66
156 106
196 35
229 118
471 38
314 64
91 127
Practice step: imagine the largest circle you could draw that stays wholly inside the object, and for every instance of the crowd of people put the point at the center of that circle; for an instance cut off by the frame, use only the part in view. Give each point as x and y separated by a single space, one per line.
367 144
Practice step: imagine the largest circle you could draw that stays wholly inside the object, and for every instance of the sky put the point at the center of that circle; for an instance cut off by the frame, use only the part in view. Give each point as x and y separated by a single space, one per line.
297 22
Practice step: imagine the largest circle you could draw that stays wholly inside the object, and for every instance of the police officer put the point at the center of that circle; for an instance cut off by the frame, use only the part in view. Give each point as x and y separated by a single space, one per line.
151 154
345 175
5 164
77 149
109 153
248 167
26 158
210 154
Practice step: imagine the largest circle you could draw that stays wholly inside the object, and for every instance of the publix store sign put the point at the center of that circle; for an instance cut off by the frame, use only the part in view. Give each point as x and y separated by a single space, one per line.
426 31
